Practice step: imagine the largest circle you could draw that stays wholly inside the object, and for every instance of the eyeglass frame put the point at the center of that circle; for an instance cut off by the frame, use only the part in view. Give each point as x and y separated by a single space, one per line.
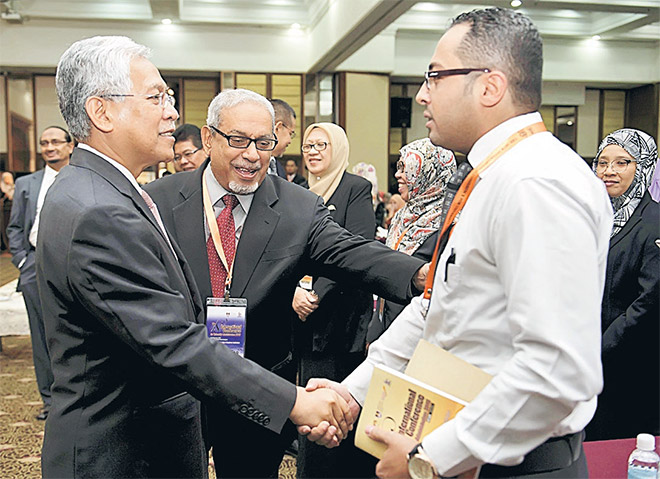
165 97
400 165
55 142
437 74
610 164
292 132
314 145
229 139
186 155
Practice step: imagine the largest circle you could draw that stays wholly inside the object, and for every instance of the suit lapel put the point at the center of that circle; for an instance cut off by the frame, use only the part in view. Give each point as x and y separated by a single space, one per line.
635 218
33 194
189 227
257 231
87 159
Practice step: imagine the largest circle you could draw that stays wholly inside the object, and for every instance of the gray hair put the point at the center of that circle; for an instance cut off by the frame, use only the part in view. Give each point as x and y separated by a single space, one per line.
94 67
508 41
230 98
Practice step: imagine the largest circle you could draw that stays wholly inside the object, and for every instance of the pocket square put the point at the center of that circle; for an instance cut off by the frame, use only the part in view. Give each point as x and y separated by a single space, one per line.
331 207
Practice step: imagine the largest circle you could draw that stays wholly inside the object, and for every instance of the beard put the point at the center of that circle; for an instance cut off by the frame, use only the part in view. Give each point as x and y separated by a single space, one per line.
240 189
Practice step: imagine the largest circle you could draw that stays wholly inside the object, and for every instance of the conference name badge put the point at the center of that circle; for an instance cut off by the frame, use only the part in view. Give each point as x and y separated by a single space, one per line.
226 320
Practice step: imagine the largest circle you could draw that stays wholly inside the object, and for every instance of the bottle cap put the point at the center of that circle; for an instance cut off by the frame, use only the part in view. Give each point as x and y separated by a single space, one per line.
645 442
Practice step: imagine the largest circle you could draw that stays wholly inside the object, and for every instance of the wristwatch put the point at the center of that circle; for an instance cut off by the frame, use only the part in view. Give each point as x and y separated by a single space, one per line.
420 465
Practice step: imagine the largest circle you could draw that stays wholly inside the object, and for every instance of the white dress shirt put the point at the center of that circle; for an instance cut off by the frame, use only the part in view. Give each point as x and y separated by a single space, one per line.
216 192
49 177
521 301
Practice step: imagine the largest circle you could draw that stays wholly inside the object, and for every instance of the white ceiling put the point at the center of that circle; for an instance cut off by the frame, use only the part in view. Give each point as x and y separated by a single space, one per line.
637 20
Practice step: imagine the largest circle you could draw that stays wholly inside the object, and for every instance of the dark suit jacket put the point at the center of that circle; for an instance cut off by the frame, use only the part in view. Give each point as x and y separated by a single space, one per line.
21 220
630 401
122 317
300 180
340 322
391 310
288 233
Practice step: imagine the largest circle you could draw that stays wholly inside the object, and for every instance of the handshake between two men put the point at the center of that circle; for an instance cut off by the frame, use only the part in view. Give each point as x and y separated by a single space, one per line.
329 433
324 411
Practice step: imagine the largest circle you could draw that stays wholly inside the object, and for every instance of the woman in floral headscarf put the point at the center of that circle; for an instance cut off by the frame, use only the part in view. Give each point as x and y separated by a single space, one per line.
629 403
422 172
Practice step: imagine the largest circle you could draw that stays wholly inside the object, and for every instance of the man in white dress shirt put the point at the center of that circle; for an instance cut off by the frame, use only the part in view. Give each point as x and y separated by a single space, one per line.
519 283
56 148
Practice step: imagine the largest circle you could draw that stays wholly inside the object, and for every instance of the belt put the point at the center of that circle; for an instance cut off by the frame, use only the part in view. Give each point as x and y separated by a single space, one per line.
555 453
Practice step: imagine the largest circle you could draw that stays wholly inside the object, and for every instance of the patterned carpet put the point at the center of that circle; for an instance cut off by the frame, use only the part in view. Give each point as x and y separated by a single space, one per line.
21 434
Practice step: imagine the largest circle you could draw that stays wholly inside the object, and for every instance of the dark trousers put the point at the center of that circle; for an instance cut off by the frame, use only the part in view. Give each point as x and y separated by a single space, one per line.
346 460
40 356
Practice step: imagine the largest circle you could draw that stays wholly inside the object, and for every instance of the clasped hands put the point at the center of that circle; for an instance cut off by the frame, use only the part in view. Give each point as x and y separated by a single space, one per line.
324 411
394 464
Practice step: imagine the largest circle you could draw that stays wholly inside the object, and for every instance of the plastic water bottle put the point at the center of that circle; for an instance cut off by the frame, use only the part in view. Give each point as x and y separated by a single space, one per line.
643 462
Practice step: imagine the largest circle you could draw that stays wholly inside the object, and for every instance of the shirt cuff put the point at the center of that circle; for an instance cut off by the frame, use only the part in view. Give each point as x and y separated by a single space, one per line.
358 381
22 262
447 452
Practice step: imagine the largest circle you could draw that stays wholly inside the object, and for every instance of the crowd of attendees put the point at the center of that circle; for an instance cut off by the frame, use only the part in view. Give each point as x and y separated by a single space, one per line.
315 226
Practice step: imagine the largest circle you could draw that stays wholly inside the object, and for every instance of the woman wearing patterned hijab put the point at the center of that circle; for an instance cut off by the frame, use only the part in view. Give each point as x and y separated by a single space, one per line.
629 402
422 172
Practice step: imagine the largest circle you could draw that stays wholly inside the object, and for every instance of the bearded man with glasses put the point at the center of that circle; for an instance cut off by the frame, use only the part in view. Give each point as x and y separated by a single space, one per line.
122 314
274 233
56 148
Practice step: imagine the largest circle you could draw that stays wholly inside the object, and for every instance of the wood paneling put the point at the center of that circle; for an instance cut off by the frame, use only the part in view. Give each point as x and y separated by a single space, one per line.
289 89
257 82
197 94
612 111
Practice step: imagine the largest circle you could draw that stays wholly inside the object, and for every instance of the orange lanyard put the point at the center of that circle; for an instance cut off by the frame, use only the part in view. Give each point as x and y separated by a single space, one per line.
215 235
466 189
396 246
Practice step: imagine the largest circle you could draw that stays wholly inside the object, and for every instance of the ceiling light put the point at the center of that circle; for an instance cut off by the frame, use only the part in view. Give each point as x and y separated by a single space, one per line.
166 21
426 7
295 26
516 3
596 37
569 123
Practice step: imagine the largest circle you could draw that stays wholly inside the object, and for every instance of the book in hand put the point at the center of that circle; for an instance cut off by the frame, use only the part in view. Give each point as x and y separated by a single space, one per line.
435 387
400 403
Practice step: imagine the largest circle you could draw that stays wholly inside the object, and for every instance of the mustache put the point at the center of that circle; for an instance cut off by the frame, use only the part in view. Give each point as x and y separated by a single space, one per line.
248 165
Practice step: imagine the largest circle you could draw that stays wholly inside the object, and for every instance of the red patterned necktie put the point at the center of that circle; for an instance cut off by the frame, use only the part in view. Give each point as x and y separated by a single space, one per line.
228 237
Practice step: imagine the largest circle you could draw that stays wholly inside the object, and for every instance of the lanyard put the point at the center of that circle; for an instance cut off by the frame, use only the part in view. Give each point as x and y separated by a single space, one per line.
215 236
398 242
464 192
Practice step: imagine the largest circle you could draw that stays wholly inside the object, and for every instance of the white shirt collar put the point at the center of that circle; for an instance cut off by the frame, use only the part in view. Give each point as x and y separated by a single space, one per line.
122 169
497 135
217 191
49 173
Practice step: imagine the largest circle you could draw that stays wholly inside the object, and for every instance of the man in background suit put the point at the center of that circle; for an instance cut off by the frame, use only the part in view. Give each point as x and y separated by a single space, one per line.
121 309
56 148
282 232
292 175
188 151
285 131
